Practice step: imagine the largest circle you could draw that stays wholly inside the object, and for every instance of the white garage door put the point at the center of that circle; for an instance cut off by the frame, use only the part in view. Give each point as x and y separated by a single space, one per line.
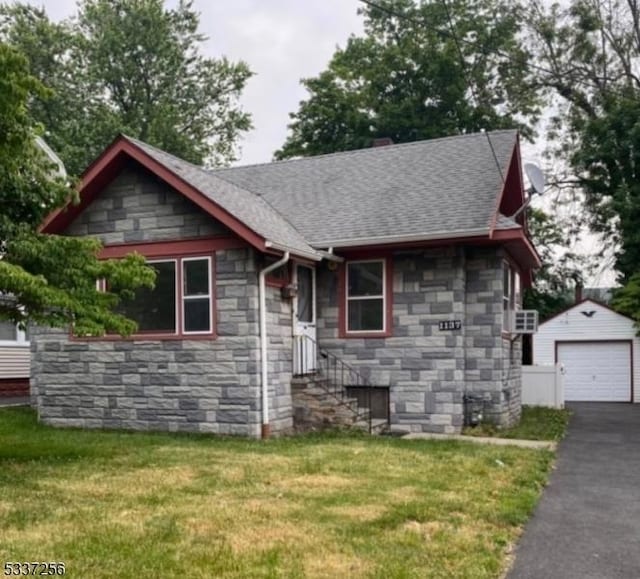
596 371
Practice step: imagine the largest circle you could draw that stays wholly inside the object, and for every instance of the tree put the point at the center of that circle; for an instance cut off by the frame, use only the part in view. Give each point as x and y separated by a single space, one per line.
560 269
588 55
626 300
46 279
129 66
404 78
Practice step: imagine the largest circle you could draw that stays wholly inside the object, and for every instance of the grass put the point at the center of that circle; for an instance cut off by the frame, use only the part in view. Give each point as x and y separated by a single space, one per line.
113 504
536 423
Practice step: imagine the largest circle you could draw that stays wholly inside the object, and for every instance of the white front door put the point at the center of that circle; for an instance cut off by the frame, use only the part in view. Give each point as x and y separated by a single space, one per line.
596 371
304 323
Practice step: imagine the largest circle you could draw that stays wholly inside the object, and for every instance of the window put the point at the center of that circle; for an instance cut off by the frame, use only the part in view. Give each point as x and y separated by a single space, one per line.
11 335
181 303
196 295
366 299
511 295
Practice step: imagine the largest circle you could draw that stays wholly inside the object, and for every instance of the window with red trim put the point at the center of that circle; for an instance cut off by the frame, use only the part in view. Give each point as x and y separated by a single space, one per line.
366 299
181 303
511 294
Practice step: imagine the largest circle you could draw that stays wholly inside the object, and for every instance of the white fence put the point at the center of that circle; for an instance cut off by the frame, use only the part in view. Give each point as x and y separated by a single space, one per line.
543 386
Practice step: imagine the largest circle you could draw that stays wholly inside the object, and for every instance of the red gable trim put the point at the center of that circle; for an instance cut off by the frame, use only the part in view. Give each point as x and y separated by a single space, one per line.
511 196
106 167
184 247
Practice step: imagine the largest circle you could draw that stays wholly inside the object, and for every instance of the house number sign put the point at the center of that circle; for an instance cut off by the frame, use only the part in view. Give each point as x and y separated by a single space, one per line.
450 325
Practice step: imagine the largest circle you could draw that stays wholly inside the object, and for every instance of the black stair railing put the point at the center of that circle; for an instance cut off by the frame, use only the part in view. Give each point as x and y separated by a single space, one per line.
338 376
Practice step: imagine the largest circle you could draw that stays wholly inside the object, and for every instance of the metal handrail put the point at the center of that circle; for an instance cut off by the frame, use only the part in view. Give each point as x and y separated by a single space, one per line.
338 374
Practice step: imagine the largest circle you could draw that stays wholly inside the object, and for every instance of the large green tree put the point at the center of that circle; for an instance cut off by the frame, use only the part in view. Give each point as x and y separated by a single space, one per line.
588 60
404 78
48 279
129 66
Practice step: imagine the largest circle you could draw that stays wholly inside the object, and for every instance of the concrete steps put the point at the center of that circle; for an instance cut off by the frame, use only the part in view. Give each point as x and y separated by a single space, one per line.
316 406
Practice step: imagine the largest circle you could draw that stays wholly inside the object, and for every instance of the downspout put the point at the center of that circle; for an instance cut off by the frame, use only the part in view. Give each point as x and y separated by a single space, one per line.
265 431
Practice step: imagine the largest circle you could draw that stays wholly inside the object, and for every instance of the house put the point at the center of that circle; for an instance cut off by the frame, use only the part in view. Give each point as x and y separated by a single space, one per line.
393 269
14 361
14 342
596 347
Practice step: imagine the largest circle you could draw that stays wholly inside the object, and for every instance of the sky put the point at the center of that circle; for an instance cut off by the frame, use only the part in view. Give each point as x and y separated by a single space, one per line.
284 41
281 40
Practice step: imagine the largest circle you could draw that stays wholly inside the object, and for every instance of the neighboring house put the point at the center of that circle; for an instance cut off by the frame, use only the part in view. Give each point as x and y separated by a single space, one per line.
14 343
14 361
395 267
596 347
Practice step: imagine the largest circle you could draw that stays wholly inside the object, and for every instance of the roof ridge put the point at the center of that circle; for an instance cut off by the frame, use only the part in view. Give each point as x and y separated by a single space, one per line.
350 152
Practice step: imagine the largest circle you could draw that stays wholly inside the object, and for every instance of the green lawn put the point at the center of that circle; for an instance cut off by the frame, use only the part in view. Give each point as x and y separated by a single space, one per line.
112 504
536 423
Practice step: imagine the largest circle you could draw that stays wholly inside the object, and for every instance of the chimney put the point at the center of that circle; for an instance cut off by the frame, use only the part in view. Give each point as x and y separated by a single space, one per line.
578 293
382 142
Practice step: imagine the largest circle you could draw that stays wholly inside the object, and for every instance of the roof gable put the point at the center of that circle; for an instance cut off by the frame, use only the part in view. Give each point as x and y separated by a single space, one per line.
241 211
585 303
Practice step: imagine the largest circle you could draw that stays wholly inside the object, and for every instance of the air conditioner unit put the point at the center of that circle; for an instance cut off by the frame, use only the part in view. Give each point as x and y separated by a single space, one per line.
525 322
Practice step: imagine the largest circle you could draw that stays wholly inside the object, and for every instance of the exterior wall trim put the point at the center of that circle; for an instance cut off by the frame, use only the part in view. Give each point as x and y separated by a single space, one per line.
181 248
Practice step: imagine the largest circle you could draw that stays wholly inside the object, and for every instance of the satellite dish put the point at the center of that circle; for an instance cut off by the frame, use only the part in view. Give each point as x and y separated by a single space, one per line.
536 178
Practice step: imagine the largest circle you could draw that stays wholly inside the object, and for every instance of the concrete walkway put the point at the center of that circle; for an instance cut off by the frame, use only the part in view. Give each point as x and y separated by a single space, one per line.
14 401
536 444
587 524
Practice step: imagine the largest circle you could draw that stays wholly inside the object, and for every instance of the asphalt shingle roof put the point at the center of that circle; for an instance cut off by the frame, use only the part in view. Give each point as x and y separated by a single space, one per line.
436 188
252 210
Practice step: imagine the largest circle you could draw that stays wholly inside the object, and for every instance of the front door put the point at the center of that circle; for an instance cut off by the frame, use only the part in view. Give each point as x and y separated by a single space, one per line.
304 324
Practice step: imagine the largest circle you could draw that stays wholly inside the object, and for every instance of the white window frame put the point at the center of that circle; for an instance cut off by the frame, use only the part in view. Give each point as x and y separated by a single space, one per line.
20 341
512 297
184 298
384 297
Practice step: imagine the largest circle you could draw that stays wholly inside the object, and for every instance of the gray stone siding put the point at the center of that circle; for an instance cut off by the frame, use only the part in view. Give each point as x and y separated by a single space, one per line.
187 385
430 370
423 366
280 355
203 385
137 207
493 359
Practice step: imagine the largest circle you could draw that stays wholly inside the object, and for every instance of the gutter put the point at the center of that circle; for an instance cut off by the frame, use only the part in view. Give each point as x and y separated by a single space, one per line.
443 235
264 383
315 256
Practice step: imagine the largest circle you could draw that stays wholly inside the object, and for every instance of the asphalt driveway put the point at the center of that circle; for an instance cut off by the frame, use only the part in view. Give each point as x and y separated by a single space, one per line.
587 524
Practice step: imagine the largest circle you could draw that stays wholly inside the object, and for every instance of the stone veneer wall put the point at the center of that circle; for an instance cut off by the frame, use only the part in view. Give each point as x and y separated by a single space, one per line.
493 361
429 370
280 355
137 207
423 366
177 385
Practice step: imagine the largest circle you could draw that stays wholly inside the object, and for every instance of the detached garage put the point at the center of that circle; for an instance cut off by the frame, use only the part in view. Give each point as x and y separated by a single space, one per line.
596 348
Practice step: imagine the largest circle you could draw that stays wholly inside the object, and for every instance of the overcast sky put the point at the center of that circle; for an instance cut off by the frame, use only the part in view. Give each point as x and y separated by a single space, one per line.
281 40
